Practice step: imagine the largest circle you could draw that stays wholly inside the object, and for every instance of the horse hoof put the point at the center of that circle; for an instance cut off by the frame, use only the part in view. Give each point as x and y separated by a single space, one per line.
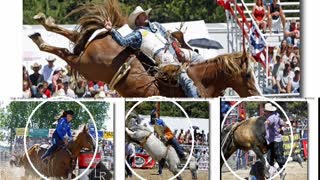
34 35
39 17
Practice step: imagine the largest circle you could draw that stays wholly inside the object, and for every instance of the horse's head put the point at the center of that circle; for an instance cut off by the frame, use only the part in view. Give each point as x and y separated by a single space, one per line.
138 134
85 140
245 82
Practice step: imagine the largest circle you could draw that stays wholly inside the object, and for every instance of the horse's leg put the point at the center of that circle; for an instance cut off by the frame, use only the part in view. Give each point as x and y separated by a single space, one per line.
227 153
63 53
262 158
49 25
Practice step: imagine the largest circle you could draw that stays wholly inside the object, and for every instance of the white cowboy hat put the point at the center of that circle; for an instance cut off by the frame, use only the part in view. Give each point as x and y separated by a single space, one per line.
269 107
133 16
36 65
50 58
296 69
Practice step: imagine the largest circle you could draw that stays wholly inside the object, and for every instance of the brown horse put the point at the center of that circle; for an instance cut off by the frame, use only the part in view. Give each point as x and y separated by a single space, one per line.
101 58
61 163
246 135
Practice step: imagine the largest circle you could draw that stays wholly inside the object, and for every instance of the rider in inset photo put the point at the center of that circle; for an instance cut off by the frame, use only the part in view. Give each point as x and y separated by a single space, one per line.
58 137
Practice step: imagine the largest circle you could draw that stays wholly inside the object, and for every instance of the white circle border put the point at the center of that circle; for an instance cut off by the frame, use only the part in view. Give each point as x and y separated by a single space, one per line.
161 98
63 99
261 99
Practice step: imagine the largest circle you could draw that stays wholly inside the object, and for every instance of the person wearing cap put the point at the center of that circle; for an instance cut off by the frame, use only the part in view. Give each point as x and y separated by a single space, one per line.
35 78
63 128
295 83
166 136
284 78
154 41
273 126
48 70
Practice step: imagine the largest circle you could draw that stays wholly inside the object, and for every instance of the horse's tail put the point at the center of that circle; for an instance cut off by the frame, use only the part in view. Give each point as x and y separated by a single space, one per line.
16 161
226 142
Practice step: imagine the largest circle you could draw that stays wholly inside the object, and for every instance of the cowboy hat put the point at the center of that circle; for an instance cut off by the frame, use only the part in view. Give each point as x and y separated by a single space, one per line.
133 16
36 65
50 58
269 107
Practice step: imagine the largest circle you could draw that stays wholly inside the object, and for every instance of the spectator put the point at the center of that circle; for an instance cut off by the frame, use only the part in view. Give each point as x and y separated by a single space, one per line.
295 62
60 90
292 33
283 47
297 42
275 15
287 57
35 78
48 71
277 67
69 92
295 83
259 14
80 88
26 90
56 78
25 76
95 87
296 50
46 90
284 78
40 92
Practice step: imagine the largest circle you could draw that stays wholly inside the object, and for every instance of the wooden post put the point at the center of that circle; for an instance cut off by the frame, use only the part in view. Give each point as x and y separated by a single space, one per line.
158 109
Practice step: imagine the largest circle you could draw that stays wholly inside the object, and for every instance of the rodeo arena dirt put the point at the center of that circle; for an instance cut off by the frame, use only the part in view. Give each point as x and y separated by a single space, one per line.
148 168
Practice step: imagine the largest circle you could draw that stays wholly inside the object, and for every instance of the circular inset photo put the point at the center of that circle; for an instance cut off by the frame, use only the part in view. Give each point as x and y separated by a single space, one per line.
60 138
167 140
258 139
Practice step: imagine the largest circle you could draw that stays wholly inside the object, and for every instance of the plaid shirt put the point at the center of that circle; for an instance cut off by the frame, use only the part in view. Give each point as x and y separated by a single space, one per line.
134 39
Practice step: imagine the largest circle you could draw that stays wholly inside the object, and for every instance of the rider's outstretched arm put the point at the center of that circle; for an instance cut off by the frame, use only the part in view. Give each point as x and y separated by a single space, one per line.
133 39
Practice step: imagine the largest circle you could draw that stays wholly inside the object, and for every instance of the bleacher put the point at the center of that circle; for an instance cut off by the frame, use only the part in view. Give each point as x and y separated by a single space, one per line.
290 10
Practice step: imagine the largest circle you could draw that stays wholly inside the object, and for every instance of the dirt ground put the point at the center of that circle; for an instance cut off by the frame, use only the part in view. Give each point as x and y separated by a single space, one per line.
166 174
293 170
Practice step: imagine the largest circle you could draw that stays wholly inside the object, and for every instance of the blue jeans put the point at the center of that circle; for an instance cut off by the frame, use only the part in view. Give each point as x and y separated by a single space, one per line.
174 143
56 140
187 85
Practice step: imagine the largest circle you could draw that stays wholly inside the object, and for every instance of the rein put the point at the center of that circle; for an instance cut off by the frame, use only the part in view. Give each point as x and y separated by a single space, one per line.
122 71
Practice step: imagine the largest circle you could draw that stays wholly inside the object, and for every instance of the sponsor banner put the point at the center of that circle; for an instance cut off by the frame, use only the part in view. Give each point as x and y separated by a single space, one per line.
20 132
287 143
38 133
108 135
143 161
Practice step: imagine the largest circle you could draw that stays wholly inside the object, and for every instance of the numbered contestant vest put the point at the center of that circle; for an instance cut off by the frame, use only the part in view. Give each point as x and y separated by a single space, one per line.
151 42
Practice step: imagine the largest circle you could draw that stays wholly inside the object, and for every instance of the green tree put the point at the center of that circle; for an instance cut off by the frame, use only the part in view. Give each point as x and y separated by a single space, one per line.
193 109
18 112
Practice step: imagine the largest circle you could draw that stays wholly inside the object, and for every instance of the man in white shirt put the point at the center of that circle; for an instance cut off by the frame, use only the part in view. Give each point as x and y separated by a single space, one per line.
48 70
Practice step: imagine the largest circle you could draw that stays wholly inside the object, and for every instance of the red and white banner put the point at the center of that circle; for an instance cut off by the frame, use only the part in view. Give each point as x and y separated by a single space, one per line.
143 161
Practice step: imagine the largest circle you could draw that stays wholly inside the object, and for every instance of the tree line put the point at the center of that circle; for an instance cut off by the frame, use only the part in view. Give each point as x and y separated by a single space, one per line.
16 114
193 109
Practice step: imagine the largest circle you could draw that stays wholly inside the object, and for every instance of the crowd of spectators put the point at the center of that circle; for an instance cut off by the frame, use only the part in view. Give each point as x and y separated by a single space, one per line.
284 60
50 80
184 137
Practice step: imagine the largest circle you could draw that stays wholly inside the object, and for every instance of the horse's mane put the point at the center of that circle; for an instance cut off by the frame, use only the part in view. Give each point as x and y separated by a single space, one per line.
229 63
92 18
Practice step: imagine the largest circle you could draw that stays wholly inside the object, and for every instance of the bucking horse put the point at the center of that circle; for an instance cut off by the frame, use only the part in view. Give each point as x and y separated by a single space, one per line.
144 137
128 71
248 135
